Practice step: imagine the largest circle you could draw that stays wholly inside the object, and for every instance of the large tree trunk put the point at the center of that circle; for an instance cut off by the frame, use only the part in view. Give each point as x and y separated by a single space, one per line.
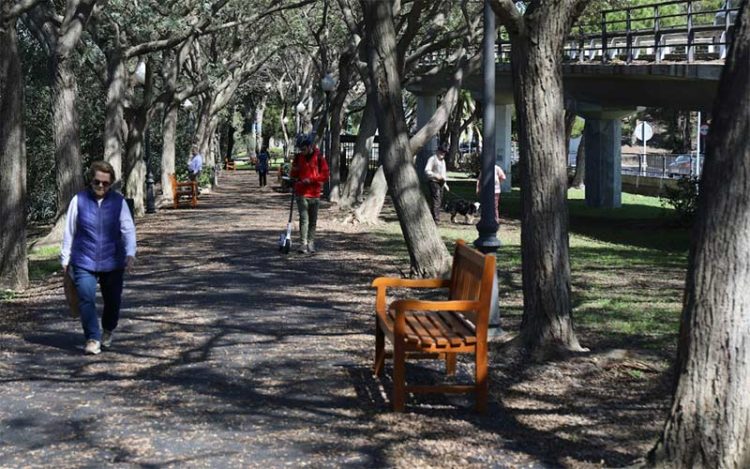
355 182
134 169
14 272
537 49
114 115
428 254
709 424
346 70
369 210
60 40
68 165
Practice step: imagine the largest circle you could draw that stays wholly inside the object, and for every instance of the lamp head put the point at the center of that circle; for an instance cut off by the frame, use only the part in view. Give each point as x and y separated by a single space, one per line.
301 107
328 83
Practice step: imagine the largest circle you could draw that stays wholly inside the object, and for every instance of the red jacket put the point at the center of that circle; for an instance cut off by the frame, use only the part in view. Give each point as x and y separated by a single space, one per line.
314 169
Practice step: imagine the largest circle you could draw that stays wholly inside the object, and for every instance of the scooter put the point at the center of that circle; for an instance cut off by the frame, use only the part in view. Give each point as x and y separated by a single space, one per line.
285 240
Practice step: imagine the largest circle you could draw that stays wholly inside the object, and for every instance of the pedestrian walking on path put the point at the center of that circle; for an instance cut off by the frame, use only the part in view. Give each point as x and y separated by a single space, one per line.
310 170
262 166
99 244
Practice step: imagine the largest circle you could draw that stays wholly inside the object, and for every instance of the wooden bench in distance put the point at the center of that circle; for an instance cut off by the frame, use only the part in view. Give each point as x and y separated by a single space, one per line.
184 190
438 329
230 165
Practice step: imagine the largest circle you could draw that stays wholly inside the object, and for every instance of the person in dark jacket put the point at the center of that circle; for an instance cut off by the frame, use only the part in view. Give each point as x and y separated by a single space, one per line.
310 170
262 166
99 244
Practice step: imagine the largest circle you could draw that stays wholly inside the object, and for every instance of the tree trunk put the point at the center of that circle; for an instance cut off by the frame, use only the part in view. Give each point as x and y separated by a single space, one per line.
537 70
346 70
580 175
68 165
355 183
14 272
369 210
428 254
114 115
134 169
709 424
169 134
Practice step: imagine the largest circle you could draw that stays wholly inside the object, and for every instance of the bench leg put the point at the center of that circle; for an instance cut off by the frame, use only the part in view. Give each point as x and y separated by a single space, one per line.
399 375
482 381
450 364
379 349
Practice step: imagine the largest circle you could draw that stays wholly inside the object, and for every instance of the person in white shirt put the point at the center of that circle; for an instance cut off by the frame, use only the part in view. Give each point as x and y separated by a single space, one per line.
98 246
499 178
436 175
195 164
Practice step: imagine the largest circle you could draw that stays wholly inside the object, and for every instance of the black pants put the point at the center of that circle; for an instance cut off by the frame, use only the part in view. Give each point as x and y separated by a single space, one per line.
262 178
436 193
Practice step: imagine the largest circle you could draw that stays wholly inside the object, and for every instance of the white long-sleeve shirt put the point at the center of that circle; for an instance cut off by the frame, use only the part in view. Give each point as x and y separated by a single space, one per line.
127 228
435 168
196 163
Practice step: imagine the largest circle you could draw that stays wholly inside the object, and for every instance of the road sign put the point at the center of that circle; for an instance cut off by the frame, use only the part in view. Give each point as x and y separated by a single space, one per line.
643 132
704 129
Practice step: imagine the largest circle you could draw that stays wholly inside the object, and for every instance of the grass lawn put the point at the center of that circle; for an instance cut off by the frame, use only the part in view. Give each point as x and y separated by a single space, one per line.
628 266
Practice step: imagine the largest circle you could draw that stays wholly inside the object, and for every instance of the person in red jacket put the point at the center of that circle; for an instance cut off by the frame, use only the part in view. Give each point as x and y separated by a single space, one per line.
310 170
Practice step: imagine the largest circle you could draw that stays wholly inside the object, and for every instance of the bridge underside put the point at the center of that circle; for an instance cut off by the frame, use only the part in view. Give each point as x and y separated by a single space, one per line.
603 94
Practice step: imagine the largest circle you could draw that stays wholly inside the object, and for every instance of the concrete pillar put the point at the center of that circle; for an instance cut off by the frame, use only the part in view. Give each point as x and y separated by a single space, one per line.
426 107
503 117
603 163
603 154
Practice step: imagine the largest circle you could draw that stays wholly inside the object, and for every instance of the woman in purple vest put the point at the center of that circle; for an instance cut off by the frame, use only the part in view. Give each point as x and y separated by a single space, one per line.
98 246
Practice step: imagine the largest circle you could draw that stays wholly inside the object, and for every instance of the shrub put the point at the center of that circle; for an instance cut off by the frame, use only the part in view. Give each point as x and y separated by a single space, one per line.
683 198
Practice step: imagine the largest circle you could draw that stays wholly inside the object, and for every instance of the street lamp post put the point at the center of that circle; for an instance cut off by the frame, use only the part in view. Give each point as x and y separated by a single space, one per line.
327 83
487 242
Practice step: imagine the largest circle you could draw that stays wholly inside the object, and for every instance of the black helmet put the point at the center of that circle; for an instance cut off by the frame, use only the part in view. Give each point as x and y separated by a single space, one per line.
304 139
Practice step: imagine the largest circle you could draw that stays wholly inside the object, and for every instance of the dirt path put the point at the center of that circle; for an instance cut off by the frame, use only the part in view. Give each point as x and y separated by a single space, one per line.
228 355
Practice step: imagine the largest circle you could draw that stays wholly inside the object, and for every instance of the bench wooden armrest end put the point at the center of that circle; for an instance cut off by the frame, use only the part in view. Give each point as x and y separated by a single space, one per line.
396 282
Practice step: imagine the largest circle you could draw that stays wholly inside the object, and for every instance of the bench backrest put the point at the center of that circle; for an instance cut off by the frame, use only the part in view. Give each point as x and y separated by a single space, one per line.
471 279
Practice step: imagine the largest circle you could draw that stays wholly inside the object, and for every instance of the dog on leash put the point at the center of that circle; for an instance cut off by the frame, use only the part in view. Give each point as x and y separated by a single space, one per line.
462 207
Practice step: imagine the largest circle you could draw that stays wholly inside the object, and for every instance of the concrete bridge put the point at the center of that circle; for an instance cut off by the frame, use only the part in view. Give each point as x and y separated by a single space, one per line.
677 67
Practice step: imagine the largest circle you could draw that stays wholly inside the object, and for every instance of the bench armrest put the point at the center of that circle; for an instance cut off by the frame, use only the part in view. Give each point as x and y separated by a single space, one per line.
411 282
381 283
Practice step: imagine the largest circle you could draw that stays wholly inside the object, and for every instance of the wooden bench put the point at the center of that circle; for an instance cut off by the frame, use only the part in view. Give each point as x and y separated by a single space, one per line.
184 190
230 165
438 329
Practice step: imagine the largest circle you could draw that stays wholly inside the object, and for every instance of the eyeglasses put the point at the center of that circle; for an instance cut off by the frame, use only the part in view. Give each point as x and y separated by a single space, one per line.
97 182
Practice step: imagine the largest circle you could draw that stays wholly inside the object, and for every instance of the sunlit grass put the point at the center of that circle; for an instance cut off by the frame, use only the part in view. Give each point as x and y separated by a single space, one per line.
627 265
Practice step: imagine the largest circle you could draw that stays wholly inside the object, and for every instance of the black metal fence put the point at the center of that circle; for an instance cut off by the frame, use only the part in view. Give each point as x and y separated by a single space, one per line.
347 153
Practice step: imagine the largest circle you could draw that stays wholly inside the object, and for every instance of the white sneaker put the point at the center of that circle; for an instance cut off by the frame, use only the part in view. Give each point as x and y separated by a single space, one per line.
106 339
93 347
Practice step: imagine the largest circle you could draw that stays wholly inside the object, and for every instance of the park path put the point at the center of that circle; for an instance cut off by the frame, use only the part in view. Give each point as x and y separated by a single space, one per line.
228 354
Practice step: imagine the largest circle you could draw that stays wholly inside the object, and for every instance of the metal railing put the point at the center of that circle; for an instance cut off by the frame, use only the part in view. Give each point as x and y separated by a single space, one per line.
656 165
677 30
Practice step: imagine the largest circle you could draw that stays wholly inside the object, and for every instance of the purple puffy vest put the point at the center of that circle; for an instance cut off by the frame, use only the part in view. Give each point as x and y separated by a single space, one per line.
98 245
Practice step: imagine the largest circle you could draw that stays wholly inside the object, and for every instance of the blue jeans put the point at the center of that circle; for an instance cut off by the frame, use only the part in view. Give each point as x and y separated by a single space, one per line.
111 286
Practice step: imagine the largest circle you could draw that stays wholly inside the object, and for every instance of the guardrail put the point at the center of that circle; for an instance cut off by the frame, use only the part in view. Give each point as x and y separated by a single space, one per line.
677 30
656 165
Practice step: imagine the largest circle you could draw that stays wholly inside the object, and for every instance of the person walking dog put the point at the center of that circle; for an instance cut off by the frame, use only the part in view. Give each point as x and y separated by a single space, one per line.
98 246
436 175
310 170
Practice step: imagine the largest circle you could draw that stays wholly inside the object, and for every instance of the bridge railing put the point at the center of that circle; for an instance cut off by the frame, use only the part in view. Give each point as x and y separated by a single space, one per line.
676 30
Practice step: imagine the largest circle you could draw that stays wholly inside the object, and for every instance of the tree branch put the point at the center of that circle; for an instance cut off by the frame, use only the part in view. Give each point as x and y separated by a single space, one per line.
20 8
509 16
